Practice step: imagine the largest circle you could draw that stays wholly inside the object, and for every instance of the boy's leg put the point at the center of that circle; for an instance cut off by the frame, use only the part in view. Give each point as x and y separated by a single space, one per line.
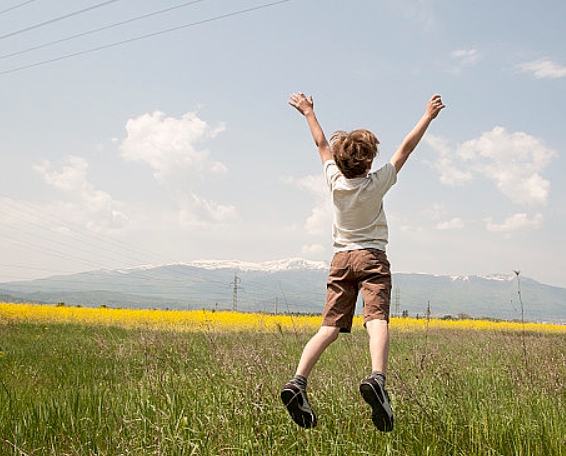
315 347
372 388
376 291
294 394
378 331
376 284
341 294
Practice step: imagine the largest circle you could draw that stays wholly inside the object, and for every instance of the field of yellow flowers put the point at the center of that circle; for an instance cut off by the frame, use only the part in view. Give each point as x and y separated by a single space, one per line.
111 382
207 320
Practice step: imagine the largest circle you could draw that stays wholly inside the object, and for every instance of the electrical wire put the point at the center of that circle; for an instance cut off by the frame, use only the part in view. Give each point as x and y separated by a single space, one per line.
16 6
60 248
28 213
100 29
34 222
57 19
142 37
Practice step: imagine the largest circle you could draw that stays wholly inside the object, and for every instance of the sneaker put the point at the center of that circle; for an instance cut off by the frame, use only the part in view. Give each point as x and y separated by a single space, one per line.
295 399
376 396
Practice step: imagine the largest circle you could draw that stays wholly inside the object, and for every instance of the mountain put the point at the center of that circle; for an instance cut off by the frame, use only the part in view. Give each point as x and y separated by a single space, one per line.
9 298
494 296
292 285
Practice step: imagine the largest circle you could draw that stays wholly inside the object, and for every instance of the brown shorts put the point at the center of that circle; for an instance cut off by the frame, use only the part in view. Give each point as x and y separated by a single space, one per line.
367 271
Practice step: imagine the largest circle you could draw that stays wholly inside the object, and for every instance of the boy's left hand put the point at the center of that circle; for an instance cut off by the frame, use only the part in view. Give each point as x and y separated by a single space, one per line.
434 106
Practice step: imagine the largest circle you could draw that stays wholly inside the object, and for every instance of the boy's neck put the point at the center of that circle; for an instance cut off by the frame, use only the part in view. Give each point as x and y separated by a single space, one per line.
364 174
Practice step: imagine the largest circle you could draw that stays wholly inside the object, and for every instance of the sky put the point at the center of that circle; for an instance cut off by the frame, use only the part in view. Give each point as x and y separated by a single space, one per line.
152 132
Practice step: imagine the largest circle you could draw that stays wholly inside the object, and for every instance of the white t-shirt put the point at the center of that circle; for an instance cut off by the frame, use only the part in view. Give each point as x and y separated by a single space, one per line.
359 219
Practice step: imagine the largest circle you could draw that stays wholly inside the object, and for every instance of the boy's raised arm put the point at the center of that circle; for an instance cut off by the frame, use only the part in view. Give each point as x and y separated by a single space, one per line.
433 107
306 107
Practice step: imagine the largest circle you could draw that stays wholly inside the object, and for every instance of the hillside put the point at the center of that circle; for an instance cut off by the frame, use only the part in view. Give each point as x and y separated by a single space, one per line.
288 286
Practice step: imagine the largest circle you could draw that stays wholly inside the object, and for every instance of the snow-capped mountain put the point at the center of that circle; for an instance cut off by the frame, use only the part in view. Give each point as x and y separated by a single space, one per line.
290 264
289 285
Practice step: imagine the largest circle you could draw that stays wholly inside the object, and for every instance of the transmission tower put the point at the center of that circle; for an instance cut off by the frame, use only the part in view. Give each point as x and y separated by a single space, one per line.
235 285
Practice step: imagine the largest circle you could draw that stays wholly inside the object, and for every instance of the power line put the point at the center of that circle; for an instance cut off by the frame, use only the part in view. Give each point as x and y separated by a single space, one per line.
57 19
149 35
76 241
72 247
170 276
33 225
16 6
100 29
30 213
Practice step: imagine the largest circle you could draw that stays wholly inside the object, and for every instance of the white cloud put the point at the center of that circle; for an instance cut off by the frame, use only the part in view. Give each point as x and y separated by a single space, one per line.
196 211
513 161
314 184
454 224
517 222
170 147
313 250
463 58
543 69
466 57
320 220
417 10
72 176
438 214
435 212
103 214
446 164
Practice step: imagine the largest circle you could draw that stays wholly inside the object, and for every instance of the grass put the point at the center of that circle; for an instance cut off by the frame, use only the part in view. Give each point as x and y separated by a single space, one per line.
104 389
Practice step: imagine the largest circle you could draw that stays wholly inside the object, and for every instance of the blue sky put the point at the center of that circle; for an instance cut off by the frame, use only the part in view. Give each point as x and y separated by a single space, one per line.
181 146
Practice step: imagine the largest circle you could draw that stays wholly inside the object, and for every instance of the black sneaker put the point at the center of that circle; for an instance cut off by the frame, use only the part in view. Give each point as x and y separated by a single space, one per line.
376 396
295 399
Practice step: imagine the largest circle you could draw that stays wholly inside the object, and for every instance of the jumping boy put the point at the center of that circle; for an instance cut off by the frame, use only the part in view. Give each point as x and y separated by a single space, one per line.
359 262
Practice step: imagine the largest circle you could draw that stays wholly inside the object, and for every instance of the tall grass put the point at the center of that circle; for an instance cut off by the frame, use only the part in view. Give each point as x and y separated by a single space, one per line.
89 389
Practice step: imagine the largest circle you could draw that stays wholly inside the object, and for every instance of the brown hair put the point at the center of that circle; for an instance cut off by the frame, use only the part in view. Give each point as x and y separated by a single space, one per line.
354 151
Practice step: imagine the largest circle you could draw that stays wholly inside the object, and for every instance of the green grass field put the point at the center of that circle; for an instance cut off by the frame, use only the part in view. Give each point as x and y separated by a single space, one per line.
72 389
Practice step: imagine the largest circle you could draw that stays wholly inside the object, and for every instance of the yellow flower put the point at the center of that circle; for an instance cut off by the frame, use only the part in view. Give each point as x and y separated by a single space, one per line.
206 320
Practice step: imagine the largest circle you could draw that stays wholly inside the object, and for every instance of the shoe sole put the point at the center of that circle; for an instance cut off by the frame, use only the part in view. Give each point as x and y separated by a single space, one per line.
293 400
382 420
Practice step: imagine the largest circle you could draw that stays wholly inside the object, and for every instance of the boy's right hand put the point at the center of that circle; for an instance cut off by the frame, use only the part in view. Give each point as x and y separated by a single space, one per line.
306 107
301 103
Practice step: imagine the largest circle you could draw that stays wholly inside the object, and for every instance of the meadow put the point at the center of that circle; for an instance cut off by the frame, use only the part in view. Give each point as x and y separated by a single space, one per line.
77 381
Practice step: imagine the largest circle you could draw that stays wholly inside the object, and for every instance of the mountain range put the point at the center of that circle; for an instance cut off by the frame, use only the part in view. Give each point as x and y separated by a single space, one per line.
292 285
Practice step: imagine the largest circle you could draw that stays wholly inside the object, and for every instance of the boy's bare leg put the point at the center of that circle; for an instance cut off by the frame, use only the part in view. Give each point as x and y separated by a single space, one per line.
373 388
315 347
378 331
294 394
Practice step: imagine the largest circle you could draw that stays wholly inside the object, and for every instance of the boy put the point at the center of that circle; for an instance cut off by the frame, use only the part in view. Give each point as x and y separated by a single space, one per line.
359 262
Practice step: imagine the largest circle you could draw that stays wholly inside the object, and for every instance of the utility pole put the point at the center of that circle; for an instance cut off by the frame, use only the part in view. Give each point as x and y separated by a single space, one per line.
235 284
276 305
